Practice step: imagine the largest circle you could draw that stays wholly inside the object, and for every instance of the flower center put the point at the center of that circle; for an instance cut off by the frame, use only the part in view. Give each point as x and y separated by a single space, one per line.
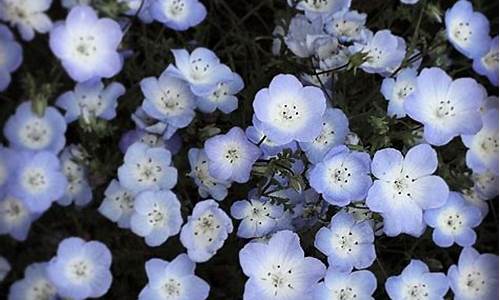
221 92
35 180
172 288
199 68
402 185
345 293
462 32
35 133
156 217
417 291
340 176
177 7
404 91
345 28
490 144
148 171
169 102
324 137
317 4
232 155
42 290
11 209
474 281
289 112
80 270
375 55
279 278
85 46
445 109
346 243
206 225
490 59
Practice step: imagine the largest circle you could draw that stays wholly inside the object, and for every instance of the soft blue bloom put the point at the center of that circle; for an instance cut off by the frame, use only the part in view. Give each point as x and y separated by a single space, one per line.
482 153
347 243
453 222
345 285
11 55
6 167
147 168
37 179
475 277
314 9
145 9
446 107
207 185
156 216
205 231
168 99
468 31
81 269
34 285
91 99
15 218
78 189
27 15
178 15
231 156
145 122
222 97
278 269
405 187
346 25
201 68
26 130
334 129
342 176
397 90
300 32
486 184
118 204
489 102
417 282
173 280
268 147
487 65
289 111
86 45
472 197
5 268
72 3
130 137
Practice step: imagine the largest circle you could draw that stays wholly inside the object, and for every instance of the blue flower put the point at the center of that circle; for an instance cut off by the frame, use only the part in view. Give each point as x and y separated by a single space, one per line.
278 270
86 45
222 97
487 65
5 268
342 176
207 185
205 231
475 276
308 210
397 90
486 184
81 269
118 204
178 15
334 130
147 168
37 180
403 189
468 31
472 197
301 30
34 285
446 107
346 25
6 167
346 285
289 111
268 147
417 282
156 216
145 122
15 218
90 99
315 9
482 153
78 189
28 16
173 280
347 243
168 99
453 222
26 130
202 69
12 56
231 156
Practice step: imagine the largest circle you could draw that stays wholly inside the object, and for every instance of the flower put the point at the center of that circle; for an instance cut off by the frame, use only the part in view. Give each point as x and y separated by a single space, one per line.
472 197
231 156
207 185
222 97
37 179
140 8
446 107
173 280
346 25
347 243
468 31
81 269
4 268
27 15
334 130
300 32
150 125
314 9
34 285
486 184
417 282
453 222
147 168
289 111
405 187
156 216
6 168
118 204
205 231
346 285
178 15
90 99
72 3
87 45
15 218
397 90
78 188
11 56
26 130
202 69
475 276
342 176
482 153
268 147
278 270
487 65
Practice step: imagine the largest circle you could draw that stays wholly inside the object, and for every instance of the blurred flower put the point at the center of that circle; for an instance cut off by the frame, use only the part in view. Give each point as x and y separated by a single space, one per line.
178 15
486 184
34 285
346 25
27 15
315 9
78 189
15 218
487 65
207 185
346 285
11 55
300 31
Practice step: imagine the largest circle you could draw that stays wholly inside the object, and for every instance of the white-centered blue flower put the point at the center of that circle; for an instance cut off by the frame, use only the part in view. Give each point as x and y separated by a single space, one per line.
27 15
397 90
34 285
486 184
259 217
346 286
78 189
300 32
222 97
11 56
487 65
179 15
118 204
314 8
346 25
15 218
